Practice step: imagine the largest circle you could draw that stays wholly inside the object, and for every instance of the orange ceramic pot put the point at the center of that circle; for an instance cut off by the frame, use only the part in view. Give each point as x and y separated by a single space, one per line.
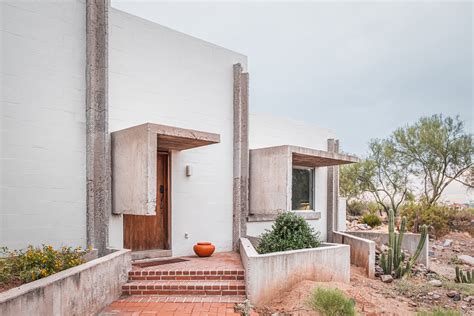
204 249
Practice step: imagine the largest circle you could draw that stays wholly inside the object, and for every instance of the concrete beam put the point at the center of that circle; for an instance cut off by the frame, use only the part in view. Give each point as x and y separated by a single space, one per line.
241 155
98 139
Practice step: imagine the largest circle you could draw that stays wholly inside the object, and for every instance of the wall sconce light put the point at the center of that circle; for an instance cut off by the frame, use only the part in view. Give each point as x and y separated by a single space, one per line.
189 170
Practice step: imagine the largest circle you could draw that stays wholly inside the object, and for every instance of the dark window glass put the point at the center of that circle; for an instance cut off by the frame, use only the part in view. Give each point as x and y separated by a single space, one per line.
302 188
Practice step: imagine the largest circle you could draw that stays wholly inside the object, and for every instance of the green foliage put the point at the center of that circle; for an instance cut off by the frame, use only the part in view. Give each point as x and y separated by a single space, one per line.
358 207
355 207
435 151
436 217
440 312
289 232
36 263
393 261
371 219
412 289
438 151
331 302
465 289
383 174
461 220
349 184
464 276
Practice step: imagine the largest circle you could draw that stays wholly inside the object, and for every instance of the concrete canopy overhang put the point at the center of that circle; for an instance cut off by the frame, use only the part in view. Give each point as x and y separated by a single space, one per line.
308 157
134 157
170 137
271 176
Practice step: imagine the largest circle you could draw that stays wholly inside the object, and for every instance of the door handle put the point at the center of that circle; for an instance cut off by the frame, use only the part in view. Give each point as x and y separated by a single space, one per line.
162 196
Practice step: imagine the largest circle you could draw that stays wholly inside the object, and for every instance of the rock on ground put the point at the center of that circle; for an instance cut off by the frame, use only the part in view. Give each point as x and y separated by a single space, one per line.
386 278
466 259
436 283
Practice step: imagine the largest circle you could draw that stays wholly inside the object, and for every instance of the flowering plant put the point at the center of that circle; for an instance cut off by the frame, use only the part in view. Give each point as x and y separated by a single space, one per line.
34 263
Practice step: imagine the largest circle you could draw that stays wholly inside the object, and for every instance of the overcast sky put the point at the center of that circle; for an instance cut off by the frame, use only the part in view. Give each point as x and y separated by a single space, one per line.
361 69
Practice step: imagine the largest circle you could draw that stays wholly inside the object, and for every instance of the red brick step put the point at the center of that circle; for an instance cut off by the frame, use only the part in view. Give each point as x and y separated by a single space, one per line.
142 275
182 287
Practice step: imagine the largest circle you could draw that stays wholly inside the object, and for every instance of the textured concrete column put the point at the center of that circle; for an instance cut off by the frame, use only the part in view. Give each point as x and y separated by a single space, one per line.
245 154
98 139
241 156
332 192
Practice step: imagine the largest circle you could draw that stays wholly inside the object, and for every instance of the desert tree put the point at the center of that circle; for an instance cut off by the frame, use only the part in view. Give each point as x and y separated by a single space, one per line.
438 152
382 174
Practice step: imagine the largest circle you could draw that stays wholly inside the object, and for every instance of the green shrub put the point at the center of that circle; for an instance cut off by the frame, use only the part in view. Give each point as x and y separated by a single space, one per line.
331 302
356 208
440 312
289 232
436 217
36 263
371 219
461 220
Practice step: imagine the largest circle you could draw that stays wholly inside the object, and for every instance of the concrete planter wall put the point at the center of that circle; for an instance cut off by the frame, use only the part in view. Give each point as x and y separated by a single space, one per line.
268 274
410 242
82 290
362 251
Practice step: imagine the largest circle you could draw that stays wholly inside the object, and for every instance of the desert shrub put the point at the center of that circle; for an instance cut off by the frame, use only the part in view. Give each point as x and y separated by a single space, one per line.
36 263
462 220
355 208
371 219
436 217
440 312
408 288
331 302
465 289
374 207
289 232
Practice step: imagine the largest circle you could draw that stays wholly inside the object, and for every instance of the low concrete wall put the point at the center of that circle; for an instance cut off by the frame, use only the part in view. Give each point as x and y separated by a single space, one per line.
82 290
268 274
362 251
410 242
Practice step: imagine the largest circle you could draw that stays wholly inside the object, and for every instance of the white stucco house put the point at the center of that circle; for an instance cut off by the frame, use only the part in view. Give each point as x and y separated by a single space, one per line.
117 132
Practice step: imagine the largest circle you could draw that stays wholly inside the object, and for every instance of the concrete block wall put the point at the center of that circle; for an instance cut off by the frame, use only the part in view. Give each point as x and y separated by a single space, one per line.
269 275
161 76
267 131
362 251
82 290
42 123
409 243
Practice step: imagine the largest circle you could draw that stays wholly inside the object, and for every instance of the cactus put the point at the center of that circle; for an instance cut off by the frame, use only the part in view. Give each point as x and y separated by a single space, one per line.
392 262
464 277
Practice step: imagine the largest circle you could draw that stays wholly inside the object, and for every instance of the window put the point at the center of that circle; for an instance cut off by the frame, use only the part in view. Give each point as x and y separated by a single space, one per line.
302 189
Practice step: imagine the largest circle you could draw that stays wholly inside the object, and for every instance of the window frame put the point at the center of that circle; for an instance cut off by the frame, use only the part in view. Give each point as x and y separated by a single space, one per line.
312 189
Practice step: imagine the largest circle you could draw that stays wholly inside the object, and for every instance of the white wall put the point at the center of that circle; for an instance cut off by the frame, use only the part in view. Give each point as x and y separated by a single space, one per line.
162 76
267 131
42 123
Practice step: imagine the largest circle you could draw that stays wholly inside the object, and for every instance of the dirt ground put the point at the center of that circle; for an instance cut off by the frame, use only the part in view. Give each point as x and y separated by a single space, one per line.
369 295
401 297
445 257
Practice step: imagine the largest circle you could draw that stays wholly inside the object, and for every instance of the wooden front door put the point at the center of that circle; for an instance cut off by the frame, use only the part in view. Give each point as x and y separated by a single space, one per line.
151 232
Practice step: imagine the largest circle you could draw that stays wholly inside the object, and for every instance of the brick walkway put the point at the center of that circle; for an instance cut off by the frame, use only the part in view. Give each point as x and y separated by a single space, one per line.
168 308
